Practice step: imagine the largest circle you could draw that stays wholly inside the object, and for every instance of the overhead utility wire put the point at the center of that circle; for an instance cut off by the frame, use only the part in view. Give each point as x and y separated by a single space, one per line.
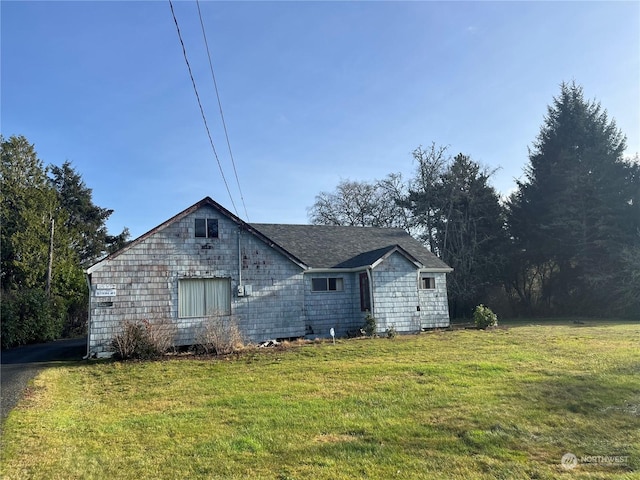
224 124
204 118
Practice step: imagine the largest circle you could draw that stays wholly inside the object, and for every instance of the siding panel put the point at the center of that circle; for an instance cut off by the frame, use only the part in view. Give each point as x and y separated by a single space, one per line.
146 279
401 304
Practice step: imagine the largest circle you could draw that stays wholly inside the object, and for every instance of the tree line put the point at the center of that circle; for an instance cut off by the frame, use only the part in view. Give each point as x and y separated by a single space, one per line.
566 242
50 231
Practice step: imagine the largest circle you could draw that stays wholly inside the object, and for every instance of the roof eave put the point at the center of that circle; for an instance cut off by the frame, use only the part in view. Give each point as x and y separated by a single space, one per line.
402 252
336 269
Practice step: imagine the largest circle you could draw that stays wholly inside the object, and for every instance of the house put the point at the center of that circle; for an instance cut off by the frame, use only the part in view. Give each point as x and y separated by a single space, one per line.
278 281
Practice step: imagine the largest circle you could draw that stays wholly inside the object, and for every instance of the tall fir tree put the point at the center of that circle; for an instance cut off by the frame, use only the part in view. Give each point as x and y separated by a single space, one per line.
459 217
85 221
470 234
28 206
574 214
49 226
33 273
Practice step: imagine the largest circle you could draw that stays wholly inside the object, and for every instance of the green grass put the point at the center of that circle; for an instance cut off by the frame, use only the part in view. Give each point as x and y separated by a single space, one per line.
505 403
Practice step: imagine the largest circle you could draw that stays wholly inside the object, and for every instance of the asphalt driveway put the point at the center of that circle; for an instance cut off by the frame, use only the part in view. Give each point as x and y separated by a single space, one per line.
19 365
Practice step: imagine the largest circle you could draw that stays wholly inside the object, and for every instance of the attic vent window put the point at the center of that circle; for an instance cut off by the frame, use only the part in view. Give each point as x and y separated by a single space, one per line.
327 284
206 228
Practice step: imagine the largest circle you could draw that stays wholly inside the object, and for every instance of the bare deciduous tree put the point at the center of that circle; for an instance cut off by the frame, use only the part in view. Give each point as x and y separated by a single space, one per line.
362 204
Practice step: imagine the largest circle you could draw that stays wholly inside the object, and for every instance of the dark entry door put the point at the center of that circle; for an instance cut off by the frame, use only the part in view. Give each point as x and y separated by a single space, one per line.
365 293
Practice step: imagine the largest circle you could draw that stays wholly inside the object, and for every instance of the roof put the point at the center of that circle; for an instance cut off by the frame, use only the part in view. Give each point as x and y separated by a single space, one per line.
316 246
329 246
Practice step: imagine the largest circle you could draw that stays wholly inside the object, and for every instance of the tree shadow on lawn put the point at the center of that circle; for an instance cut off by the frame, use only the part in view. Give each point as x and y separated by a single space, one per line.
584 413
565 321
20 365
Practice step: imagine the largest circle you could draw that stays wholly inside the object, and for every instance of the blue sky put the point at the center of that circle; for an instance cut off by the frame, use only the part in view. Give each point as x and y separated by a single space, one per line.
312 92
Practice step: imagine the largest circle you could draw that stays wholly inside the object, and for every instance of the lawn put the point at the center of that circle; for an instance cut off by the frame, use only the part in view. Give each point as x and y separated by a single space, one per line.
505 403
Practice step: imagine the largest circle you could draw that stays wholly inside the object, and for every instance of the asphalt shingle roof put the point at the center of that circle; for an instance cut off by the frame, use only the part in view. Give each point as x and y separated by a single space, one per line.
327 246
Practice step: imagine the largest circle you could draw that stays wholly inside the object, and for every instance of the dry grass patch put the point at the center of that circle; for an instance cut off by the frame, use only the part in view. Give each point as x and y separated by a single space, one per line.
334 438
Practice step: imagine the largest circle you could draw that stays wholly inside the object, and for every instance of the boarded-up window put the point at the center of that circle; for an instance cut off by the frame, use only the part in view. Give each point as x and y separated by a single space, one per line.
200 297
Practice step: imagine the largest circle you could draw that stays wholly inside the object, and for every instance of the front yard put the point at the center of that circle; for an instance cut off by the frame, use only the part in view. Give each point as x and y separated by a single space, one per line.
504 403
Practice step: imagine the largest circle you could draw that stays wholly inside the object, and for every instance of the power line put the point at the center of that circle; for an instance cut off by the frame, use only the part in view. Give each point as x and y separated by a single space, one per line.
224 124
204 118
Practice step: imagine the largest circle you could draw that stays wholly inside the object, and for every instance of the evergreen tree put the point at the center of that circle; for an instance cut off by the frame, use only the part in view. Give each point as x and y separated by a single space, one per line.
49 226
28 206
460 218
85 221
575 213
33 307
470 233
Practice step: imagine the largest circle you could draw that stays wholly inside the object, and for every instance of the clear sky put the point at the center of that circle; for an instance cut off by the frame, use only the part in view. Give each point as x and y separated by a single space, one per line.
312 92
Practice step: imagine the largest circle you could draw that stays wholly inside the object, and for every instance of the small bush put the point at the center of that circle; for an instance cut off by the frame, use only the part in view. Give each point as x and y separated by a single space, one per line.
143 340
161 335
220 336
370 326
484 317
130 342
391 332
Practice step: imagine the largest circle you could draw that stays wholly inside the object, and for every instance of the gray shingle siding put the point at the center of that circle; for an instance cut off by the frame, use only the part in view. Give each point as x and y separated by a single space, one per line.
434 305
279 263
395 283
339 310
146 279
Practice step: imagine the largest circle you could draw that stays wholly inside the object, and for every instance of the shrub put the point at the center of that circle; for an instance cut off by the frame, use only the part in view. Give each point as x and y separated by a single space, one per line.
130 342
143 340
161 335
220 335
75 324
30 316
370 326
484 317
391 332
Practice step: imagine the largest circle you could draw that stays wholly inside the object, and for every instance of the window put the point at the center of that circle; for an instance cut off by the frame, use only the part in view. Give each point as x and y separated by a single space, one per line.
200 297
427 283
325 284
207 227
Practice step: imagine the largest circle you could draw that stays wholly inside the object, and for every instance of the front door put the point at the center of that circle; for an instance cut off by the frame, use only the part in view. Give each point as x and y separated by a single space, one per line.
365 293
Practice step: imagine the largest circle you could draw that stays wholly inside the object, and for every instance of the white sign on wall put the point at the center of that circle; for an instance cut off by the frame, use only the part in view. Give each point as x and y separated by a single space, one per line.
111 292
106 286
